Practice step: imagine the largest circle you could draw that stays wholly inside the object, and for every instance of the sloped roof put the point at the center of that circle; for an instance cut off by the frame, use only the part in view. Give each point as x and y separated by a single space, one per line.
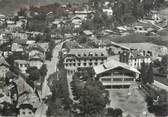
112 64
3 61
36 46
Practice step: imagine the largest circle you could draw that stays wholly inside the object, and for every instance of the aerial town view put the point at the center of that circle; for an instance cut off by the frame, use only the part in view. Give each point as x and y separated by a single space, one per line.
84 58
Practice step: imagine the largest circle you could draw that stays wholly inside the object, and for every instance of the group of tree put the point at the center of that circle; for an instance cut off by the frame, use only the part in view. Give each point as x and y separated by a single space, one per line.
36 74
147 73
59 103
162 65
158 105
89 94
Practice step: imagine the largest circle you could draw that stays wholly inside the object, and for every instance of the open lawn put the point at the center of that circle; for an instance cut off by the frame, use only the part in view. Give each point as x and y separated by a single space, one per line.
133 104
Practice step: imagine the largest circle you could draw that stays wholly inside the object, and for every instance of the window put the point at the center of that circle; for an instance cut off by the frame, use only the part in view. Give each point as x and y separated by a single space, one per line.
21 65
96 63
96 54
30 113
128 79
79 64
23 113
106 79
90 64
79 55
117 79
102 54
74 64
84 54
84 64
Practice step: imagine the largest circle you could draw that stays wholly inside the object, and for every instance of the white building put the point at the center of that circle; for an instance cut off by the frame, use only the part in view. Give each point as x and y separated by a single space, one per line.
108 11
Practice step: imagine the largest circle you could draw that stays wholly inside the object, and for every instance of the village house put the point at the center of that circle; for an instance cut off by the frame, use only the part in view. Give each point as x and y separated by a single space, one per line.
82 58
114 74
26 110
135 58
4 67
144 27
22 65
13 26
20 35
108 11
77 21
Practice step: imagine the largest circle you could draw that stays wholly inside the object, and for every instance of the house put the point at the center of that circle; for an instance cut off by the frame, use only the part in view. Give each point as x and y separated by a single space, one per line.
58 23
36 60
77 21
4 67
26 110
20 35
144 27
78 58
3 38
114 74
22 65
13 26
108 11
26 94
83 14
88 33
135 58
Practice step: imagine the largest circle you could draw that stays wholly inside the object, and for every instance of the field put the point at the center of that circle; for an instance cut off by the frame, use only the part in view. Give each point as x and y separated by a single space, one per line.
133 104
10 6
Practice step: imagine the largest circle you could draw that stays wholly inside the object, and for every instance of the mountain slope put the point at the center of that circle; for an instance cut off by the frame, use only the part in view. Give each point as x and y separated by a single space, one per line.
10 6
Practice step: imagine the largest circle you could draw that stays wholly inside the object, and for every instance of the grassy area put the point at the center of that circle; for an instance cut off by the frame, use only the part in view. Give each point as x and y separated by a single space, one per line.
133 104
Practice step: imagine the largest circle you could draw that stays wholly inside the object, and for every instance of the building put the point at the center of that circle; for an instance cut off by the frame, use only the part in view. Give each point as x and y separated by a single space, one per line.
144 27
4 67
114 74
22 65
78 58
135 58
108 11
36 60
76 21
26 110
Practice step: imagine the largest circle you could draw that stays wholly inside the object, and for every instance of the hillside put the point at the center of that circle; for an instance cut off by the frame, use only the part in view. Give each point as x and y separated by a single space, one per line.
10 6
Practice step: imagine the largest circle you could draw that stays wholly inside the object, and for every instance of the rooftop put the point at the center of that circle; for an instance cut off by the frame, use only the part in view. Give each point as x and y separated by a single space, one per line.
112 64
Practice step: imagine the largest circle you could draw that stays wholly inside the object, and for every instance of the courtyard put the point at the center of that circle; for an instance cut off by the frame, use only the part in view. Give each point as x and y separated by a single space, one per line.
130 101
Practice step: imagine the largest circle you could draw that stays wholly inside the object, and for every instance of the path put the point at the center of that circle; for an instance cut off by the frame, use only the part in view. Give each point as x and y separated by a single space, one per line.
51 67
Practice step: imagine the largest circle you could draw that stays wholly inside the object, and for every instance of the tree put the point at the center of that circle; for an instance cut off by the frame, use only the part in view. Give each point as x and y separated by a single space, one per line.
43 72
34 73
143 72
150 74
90 94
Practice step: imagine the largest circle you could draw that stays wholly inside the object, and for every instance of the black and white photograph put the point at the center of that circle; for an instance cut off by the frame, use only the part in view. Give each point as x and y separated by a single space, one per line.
83 58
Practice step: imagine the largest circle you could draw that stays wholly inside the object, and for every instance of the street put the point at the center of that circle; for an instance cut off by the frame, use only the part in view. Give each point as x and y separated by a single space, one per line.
51 67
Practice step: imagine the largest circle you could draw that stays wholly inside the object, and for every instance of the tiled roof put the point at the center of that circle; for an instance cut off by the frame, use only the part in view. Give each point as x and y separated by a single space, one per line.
112 64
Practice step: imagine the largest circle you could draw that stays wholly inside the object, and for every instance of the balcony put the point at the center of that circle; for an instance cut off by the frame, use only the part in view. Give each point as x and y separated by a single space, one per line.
117 80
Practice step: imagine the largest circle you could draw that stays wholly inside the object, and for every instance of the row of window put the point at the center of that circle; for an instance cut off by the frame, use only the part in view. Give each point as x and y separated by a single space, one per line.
85 60
117 79
90 54
80 64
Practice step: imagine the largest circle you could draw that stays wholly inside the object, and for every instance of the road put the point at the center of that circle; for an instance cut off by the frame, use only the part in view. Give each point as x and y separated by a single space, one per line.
51 66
